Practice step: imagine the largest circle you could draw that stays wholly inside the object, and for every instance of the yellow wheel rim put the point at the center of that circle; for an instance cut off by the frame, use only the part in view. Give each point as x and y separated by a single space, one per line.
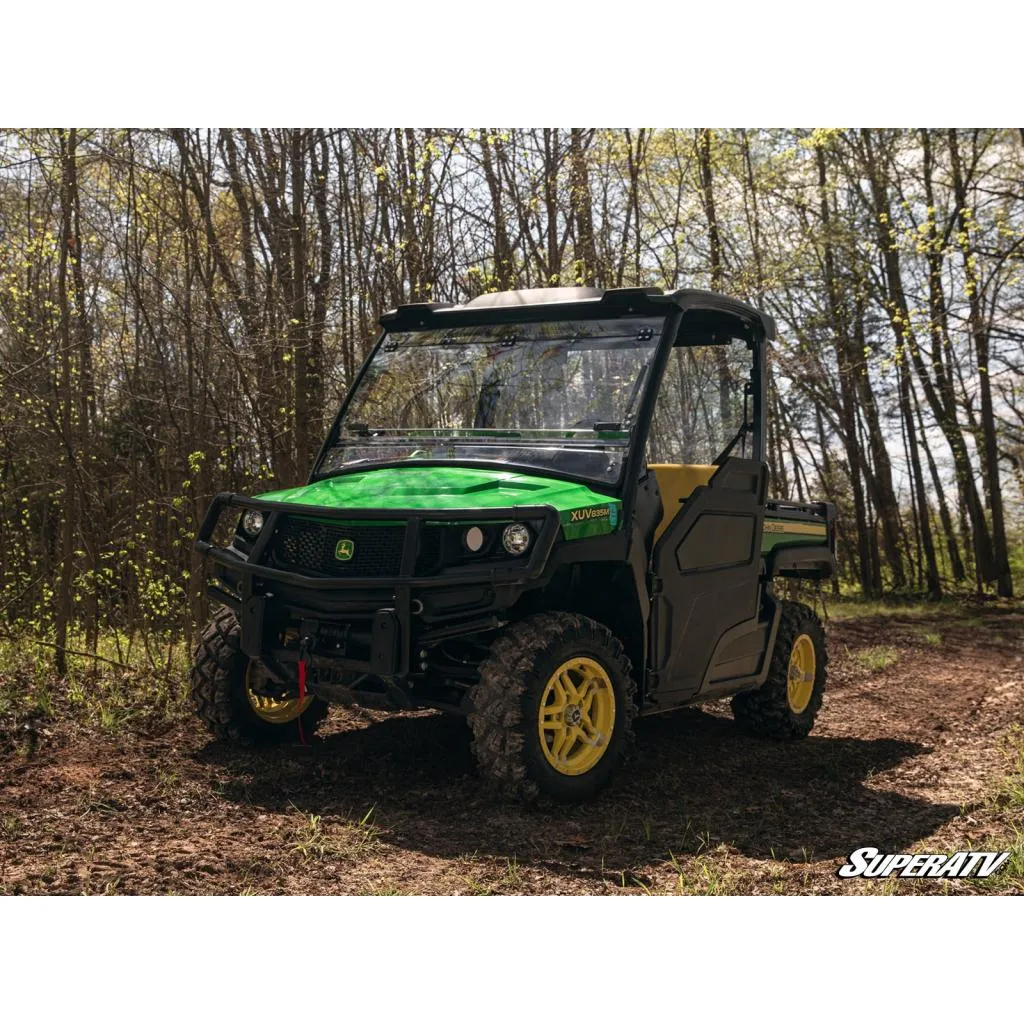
576 716
802 665
276 712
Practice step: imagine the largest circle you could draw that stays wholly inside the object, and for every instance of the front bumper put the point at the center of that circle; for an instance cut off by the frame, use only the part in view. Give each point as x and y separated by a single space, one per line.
364 624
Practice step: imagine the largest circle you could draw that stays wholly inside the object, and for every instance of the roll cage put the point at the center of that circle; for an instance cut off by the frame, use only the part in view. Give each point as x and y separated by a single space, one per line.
691 316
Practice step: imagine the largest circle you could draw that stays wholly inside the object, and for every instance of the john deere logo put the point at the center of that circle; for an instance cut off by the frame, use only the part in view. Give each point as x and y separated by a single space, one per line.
344 550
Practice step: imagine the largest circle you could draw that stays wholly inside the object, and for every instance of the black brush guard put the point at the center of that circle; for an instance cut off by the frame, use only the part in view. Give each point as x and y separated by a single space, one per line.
323 606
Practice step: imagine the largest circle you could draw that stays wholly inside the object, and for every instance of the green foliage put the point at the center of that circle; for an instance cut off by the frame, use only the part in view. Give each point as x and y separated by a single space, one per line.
133 682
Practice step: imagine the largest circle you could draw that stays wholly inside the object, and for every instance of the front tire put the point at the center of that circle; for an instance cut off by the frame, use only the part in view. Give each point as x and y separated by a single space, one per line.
785 706
553 711
225 700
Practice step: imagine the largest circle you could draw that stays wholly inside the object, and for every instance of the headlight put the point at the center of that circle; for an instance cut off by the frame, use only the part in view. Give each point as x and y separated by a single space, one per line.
516 538
474 539
252 522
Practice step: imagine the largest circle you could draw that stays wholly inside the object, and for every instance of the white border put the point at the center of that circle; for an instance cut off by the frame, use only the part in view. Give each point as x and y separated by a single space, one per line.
466 62
518 959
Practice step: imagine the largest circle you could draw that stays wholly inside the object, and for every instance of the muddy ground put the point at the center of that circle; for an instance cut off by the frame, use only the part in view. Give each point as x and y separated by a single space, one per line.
907 754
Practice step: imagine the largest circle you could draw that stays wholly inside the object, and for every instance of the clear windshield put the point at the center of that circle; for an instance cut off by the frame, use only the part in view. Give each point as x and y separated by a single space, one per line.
558 395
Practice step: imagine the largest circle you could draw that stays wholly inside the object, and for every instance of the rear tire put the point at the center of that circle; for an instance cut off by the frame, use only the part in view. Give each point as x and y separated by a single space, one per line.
553 711
220 696
785 706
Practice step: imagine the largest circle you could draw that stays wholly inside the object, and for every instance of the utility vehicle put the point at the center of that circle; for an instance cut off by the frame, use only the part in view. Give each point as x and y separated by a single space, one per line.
544 510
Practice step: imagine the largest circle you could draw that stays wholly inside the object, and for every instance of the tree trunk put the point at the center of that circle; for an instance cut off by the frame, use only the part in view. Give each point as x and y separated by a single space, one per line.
879 478
502 248
581 206
838 315
980 333
717 269
924 527
955 562
68 147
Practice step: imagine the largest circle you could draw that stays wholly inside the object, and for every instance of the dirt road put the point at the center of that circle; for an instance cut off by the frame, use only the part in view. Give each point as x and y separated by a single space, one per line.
905 756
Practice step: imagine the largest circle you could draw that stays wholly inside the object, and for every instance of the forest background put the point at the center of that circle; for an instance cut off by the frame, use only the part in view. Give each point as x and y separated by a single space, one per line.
181 312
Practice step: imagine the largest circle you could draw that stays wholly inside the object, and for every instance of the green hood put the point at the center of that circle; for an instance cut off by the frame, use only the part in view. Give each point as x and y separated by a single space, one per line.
583 512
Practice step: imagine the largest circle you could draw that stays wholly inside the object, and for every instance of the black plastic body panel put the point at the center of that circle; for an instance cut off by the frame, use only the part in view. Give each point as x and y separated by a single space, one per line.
803 561
811 562
706 586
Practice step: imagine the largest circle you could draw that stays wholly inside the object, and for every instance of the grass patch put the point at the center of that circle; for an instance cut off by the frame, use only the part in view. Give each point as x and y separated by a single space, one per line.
1011 790
701 876
127 683
877 659
1014 866
1012 871
961 610
510 880
10 826
313 841
350 840
1008 802
841 610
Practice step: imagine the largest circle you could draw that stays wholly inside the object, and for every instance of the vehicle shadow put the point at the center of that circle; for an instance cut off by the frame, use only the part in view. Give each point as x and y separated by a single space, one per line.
696 782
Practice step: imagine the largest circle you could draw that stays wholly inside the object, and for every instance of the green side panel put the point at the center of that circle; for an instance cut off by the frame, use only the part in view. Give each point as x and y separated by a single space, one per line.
591 520
583 512
791 533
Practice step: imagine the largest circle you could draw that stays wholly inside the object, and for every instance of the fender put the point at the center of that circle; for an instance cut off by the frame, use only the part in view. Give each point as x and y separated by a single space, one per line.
811 562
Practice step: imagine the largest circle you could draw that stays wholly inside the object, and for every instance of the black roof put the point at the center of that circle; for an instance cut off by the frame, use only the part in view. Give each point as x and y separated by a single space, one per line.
538 303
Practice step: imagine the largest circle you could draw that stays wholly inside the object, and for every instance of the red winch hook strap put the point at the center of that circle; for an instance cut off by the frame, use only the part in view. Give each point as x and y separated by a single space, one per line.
302 690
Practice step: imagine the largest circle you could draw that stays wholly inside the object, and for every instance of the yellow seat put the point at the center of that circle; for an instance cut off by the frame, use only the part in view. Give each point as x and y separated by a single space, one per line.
676 483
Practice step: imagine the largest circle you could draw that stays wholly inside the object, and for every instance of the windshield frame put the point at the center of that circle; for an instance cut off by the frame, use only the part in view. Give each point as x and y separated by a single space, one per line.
690 317
642 406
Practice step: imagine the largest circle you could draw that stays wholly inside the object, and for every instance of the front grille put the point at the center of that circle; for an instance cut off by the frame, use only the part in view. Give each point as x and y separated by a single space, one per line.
431 553
314 545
